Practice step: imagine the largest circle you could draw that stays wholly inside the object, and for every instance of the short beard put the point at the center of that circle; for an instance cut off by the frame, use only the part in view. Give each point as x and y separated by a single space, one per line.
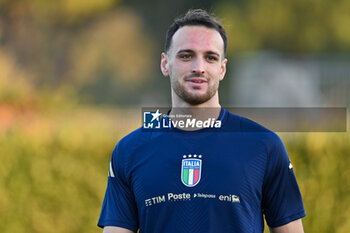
193 99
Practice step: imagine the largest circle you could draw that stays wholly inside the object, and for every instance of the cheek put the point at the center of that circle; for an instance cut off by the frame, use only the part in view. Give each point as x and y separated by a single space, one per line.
179 69
215 71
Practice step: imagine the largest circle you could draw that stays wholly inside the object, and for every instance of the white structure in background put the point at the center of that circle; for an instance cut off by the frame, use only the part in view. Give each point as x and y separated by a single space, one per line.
280 80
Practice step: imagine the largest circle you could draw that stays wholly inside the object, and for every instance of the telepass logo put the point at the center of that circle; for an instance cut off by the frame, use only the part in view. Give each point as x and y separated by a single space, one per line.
191 170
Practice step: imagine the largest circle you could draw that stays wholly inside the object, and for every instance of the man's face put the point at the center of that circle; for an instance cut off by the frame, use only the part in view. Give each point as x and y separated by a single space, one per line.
195 63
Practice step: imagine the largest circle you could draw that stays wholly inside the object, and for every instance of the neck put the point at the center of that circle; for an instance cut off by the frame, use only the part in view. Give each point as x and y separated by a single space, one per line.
209 109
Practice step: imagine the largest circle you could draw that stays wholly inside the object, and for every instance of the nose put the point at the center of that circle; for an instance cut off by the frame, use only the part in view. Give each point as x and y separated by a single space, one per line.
198 66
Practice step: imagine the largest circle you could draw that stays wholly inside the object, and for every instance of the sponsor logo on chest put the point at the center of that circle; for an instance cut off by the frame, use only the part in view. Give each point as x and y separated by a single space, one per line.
191 171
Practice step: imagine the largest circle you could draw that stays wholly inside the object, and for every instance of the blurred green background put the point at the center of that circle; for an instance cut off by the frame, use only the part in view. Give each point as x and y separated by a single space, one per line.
74 75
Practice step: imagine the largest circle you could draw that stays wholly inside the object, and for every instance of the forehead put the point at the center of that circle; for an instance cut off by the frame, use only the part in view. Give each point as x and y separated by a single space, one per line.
197 38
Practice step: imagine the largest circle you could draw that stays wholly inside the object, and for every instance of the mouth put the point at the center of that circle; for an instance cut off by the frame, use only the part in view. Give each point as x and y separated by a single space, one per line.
197 83
197 80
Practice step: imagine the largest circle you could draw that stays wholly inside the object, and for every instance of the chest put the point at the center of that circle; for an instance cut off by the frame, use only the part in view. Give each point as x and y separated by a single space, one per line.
217 168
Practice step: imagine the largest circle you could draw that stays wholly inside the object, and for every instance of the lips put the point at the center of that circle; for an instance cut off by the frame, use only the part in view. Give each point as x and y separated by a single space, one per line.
197 83
197 80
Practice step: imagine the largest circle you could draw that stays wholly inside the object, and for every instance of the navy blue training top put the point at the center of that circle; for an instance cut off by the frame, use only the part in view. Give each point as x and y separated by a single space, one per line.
205 181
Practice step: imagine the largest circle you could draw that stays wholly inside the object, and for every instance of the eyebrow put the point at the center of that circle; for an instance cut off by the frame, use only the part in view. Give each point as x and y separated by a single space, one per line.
185 51
191 51
213 53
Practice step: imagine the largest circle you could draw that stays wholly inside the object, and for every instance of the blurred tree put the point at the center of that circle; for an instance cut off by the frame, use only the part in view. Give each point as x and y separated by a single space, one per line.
9 71
111 57
287 26
98 47
39 33
114 48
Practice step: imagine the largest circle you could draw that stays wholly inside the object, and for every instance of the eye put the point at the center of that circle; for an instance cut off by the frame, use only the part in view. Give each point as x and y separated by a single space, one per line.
185 56
212 58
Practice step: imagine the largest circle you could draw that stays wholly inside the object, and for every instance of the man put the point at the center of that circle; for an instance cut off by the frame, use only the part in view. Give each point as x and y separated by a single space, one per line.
209 180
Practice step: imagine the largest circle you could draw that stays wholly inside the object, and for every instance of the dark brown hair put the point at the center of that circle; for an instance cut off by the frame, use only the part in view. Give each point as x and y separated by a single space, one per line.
197 17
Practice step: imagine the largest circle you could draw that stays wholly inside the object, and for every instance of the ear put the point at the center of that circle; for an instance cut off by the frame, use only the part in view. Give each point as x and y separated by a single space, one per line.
164 65
223 69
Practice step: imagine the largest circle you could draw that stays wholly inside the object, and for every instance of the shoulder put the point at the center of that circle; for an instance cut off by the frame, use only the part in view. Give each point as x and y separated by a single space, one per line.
129 149
243 124
253 130
136 139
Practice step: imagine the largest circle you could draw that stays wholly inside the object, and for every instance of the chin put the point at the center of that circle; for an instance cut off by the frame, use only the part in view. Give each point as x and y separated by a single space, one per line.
197 99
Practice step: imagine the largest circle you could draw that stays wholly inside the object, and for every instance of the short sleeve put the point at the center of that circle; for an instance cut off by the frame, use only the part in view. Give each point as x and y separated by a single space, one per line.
282 202
119 205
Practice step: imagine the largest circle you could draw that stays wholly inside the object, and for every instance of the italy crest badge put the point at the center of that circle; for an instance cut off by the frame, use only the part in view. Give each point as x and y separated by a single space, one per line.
191 170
